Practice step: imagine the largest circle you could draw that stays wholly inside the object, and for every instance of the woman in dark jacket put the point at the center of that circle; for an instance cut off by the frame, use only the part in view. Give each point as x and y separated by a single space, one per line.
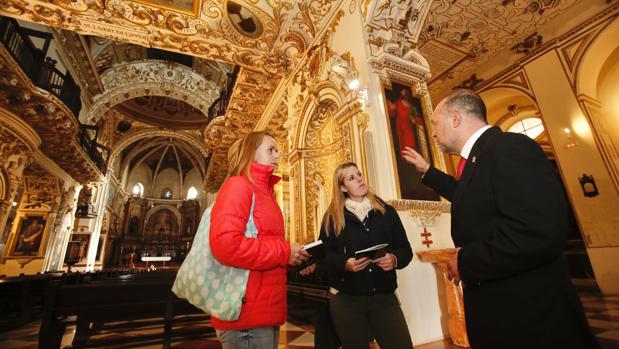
363 299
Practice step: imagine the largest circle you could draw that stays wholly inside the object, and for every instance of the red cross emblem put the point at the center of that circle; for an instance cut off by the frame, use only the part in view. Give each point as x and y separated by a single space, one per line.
425 237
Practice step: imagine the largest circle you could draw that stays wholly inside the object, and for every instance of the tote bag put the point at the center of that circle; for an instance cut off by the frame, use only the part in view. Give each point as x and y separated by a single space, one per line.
215 288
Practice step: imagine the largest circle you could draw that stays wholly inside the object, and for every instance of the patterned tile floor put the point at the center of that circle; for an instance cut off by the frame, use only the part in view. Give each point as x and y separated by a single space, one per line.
602 313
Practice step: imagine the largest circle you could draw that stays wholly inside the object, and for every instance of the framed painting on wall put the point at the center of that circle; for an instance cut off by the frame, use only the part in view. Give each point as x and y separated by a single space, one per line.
28 235
408 127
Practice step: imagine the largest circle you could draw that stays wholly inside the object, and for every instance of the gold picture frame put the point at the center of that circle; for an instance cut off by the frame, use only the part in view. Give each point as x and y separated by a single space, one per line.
408 126
29 236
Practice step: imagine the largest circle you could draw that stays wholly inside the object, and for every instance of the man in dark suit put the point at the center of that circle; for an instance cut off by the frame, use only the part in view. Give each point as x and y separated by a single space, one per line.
509 223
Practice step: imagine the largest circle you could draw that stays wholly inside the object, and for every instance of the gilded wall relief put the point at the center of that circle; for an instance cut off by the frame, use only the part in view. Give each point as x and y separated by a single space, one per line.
394 26
40 193
402 17
48 117
247 103
261 35
15 156
321 151
153 78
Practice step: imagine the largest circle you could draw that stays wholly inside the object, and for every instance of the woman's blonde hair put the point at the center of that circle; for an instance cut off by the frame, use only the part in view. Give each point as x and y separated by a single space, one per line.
243 152
334 217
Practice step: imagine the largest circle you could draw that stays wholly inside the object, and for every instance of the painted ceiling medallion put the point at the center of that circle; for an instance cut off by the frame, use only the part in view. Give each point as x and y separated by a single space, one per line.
244 20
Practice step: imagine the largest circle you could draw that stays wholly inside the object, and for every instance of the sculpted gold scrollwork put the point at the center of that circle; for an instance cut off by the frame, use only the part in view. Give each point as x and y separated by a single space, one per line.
153 78
310 15
73 5
426 213
14 157
246 105
48 117
210 33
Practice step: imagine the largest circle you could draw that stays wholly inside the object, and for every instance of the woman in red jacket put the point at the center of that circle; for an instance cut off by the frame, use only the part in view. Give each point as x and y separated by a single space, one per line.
252 160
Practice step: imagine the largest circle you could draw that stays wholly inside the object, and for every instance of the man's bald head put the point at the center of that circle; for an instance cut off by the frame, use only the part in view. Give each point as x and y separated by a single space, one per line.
467 102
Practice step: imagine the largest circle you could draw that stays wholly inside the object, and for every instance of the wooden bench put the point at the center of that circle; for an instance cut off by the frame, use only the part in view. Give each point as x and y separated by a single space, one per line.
21 299
89 306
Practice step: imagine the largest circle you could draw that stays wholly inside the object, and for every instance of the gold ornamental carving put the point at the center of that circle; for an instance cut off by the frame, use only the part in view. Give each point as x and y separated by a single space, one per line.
208 30
247 103
425 213
48 117
153 78
40 193
15 156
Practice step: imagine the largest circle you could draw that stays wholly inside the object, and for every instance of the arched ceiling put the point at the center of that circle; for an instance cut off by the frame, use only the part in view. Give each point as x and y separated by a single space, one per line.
160 153
164 112
119 63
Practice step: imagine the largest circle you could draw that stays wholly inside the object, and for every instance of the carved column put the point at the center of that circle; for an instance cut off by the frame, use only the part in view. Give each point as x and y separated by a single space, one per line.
99 201
61 230
455 305
15 155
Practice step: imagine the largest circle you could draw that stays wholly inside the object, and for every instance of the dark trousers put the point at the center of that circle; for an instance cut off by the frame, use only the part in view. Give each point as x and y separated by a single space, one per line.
355 317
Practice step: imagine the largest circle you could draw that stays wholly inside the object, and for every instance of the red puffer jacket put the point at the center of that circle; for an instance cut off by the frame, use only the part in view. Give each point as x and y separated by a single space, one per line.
266 256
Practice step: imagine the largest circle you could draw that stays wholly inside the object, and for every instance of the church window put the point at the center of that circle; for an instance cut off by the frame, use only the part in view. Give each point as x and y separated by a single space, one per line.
192 193
531 127
167 194
138 189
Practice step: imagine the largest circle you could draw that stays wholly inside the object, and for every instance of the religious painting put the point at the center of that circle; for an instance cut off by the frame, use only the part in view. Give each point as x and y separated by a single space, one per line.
29 235
408 127
77 249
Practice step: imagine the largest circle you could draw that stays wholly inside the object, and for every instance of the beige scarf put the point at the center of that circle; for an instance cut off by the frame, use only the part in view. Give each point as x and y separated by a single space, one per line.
361 208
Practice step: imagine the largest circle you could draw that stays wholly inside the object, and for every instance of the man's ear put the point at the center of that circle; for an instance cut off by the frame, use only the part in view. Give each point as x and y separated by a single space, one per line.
455 118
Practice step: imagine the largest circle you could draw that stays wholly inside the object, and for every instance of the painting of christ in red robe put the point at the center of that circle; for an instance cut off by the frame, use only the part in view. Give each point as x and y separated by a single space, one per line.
408 128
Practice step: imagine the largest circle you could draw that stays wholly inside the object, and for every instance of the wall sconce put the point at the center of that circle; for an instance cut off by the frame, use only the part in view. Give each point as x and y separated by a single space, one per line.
353 84
570 140
363 98
588 185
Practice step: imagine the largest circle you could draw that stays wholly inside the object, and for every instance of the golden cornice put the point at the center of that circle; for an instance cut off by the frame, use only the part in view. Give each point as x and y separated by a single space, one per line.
418 205
48 116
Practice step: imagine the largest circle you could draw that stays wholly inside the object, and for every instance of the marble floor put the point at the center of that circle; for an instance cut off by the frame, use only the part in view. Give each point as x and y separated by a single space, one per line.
602 313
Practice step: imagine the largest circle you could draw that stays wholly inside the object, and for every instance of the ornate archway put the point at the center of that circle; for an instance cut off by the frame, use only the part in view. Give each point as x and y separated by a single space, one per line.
153 78
325 134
